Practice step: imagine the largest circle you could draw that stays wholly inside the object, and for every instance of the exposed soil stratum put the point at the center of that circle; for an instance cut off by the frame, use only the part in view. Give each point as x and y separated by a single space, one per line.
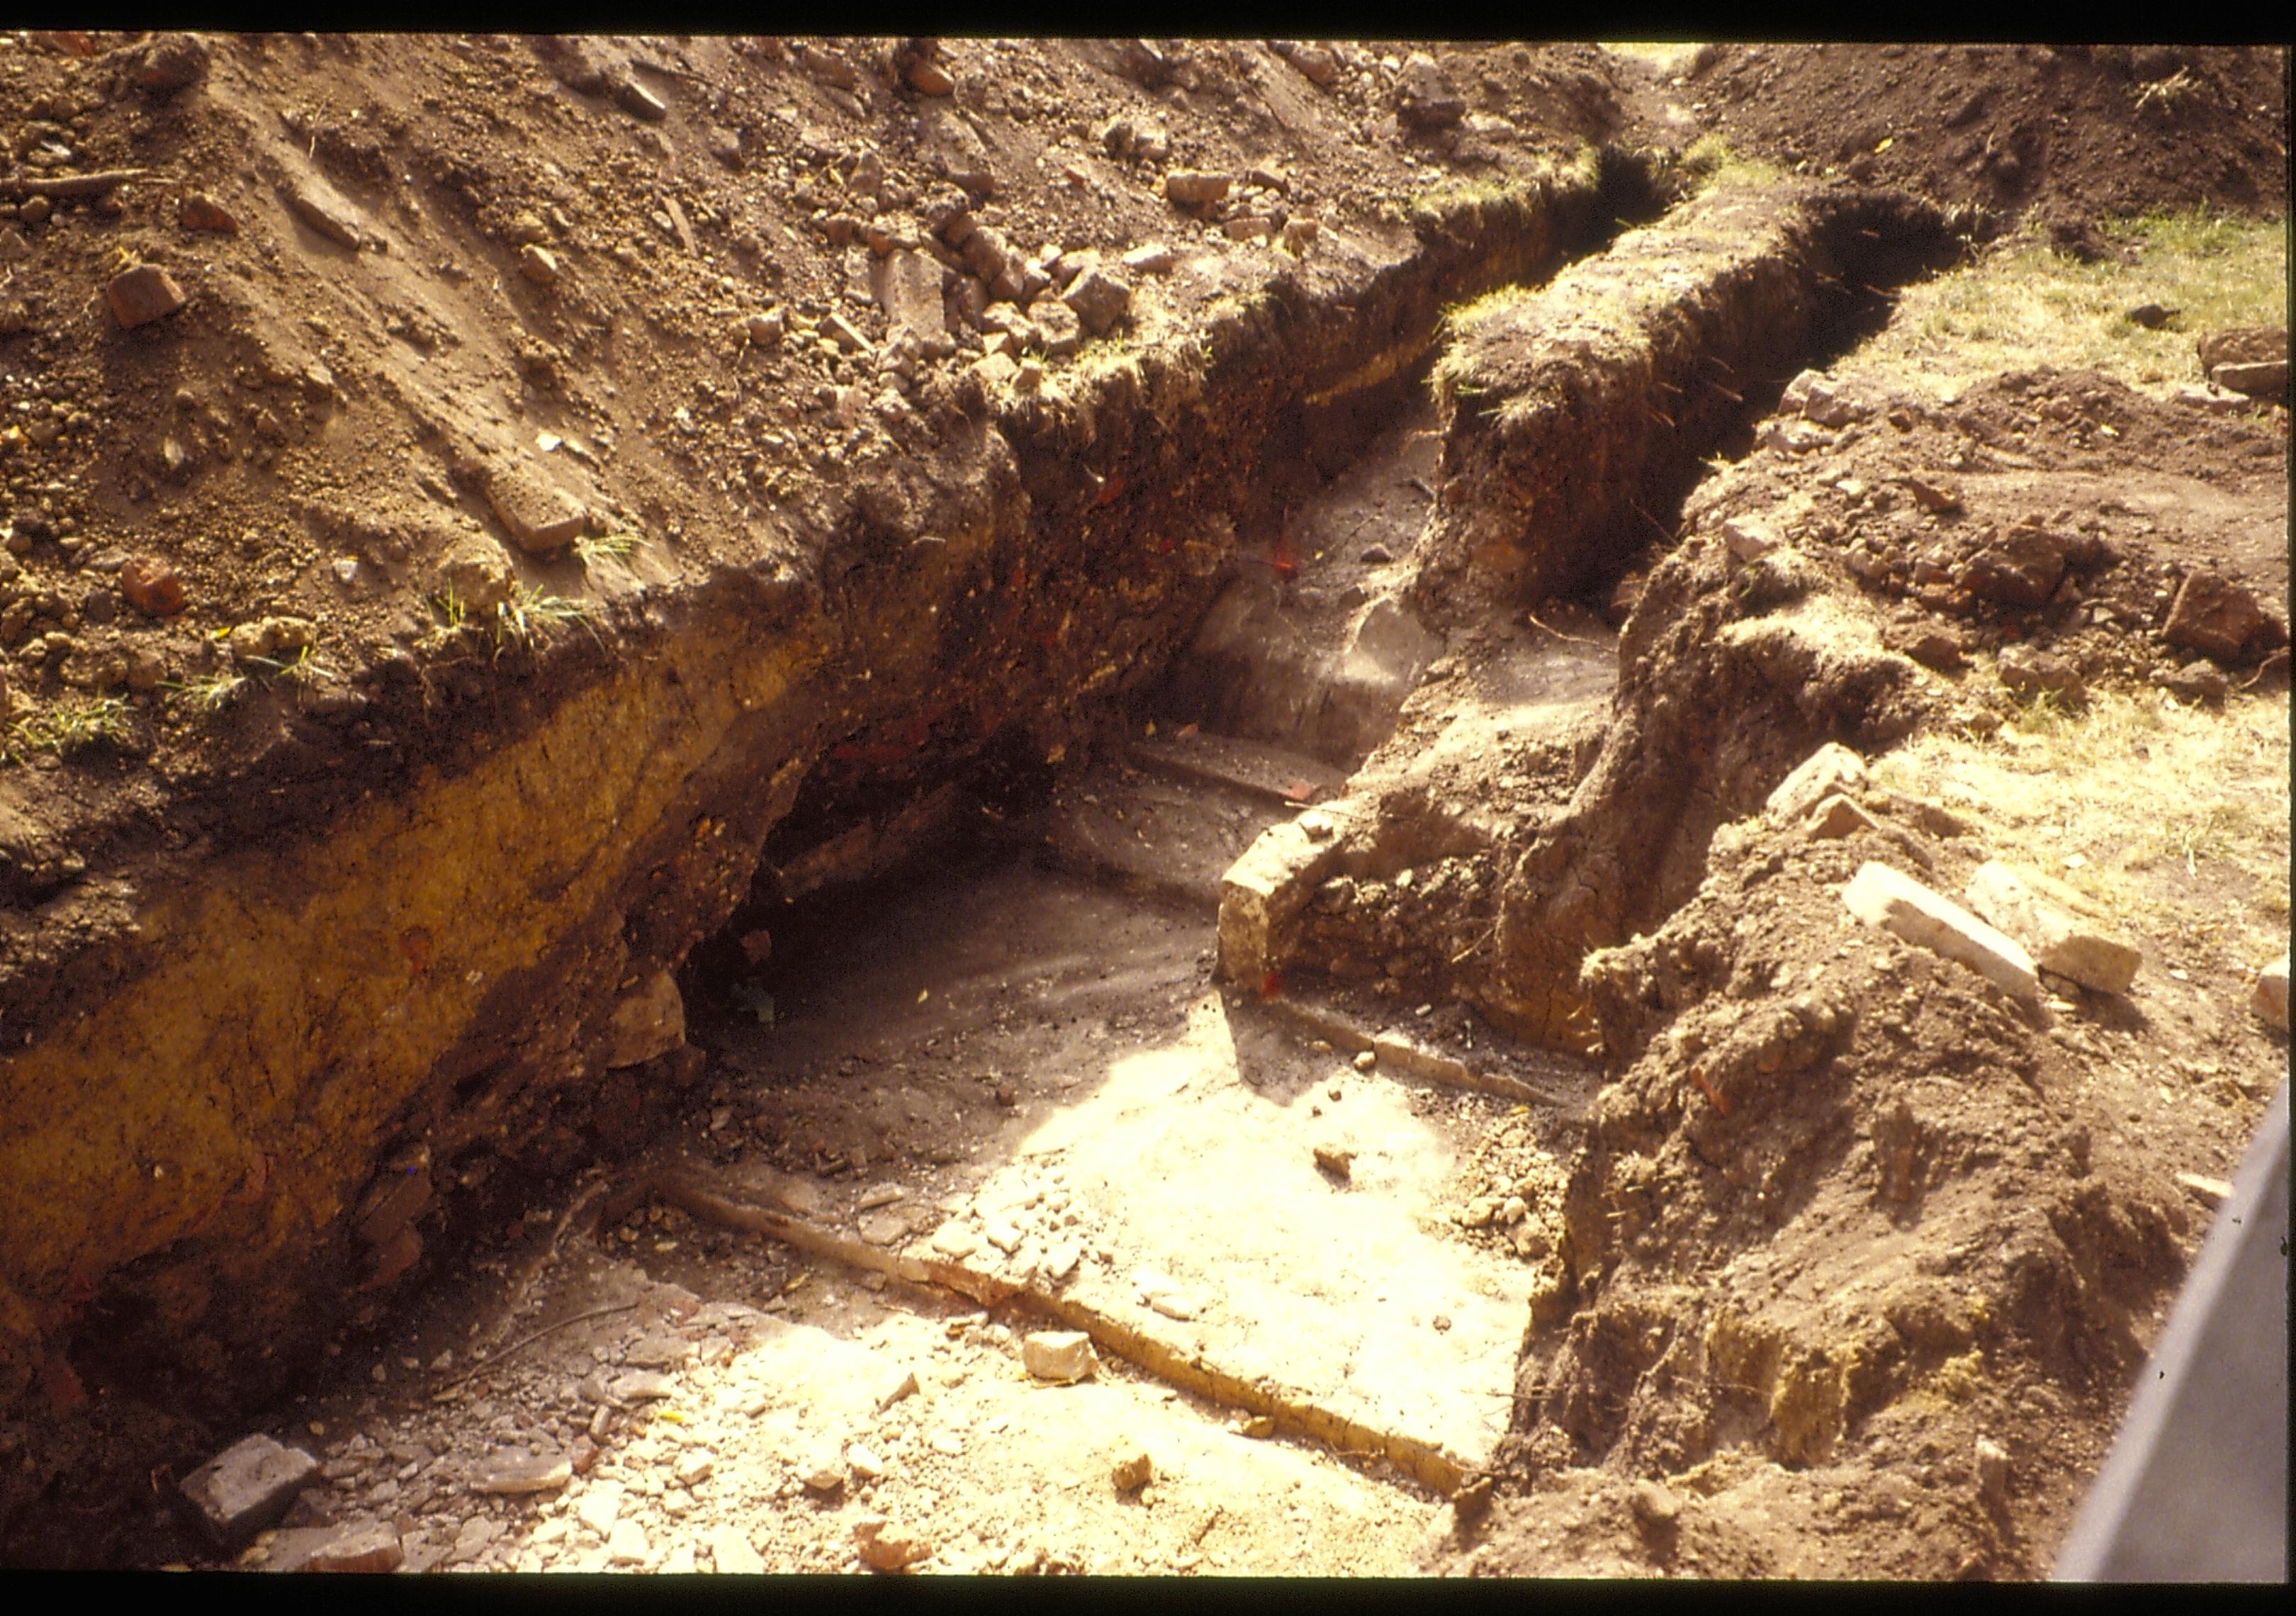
698 733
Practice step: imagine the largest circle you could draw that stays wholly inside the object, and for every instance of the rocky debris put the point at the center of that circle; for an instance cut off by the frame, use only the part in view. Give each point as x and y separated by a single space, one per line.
1934 493
2057 942
515 1475
1317 65
144 294
540 265
1992 1472
1931 645
1154 259
639 102
735 1556
1196 188
166 63
885 1547
1837 817
1750 537
1830 769
1816 397
2194 682
248 1487
2029 672
1896 902
1132 1473
2220 618
641 1386
1655 1503
2271 997
1099 300
865 1461
2019 568
1065 1356
1339 1163
2250 359
270 638
1425 96
477 574
325 209
367 1546
627 1544
540 517
151 587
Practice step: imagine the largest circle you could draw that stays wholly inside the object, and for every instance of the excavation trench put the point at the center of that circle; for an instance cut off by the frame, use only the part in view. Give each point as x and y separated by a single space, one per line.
969 658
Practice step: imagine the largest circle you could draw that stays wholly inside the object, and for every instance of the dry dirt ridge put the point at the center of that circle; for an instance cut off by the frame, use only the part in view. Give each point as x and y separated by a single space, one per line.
483 640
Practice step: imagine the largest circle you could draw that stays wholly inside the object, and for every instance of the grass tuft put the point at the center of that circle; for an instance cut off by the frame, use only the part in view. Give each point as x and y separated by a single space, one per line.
69 726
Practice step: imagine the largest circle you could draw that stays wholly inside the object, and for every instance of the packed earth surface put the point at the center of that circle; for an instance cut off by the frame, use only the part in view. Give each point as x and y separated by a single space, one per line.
1141 807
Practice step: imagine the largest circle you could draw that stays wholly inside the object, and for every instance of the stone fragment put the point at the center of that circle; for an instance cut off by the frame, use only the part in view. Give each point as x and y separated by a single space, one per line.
903 1384
476 1535
2030 672
1992 1471
166 63
1795 437
1750 536
627 1544
1830 769
1065 1356
1300 235
1155 259
540 516
2215 1192
2152 316
1425 98
364 1546
663 1351
600 1507
732 1552
1933 646
538 265
144 294
1366 1059
2271 997
1653 1504
2242 345
1339 1163
477 575
885 1547
2218 617
1315 63
1838 817
908 288
270 638
2057 942
248 1487
2269 380
1196 187
1132 1473
649 1021
1815 397
151 587
930 79
324 208
2196 681
639 102
883 1228
865 1462
1100 300
1883 897
844 333
2215 400
696 1467
953 1240
1272 881
1934 493
2020 568
641 1386
201 211
514 1475
1063 331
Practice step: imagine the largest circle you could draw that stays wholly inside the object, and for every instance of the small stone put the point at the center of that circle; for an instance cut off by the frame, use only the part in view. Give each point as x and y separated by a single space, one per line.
362 1546
1838 817
1133 1472
34 211
2220 618
1425 99
599 1507
1099 299
1315 63
1337 1163
538 265
1196 188
627 1545
824 1478
1934 647
168 62
1830 769
883 1228
517 1474
1992 1470
2194 682
696 1467
2215 1192
151 587
1259 1427
734 1554
662 1351
142 294
903 1385
865 1462
642 1386
1156 259
1750 536
1065 1356
2267 379
885 1547
542 518
325 209
953 1240
2271 997
1883 897
1655 1503
203 212
930 79
845 333
1934 493
639 102
2030 672
1300 235
2020 568
248 1487
1366 1059
476 1537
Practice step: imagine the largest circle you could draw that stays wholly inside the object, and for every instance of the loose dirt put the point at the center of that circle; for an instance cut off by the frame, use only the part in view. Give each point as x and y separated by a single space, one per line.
1238 833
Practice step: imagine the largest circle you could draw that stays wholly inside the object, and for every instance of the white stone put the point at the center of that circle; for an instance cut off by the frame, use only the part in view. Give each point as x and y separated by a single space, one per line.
2272 993
1883 897
1831 769
1059 1355
732 1550
599 1507
628 1545
2057 942
1750 536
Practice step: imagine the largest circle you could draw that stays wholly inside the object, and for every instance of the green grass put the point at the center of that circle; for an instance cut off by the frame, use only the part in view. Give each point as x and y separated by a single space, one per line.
2022 304
611 546
532 618
209 692
69 726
